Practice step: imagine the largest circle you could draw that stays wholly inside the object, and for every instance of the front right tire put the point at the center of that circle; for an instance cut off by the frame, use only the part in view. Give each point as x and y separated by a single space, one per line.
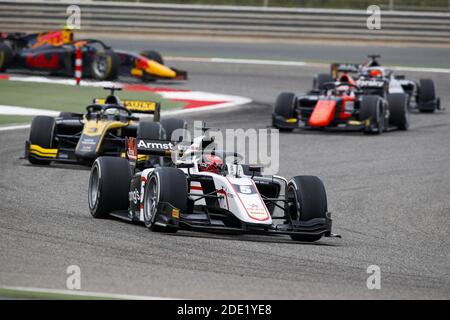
164 185
427 102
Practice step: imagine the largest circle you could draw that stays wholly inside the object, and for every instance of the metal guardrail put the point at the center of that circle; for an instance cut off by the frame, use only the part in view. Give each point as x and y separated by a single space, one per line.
287 23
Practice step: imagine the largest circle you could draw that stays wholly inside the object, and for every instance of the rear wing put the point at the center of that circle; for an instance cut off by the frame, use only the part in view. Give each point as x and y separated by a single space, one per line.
160 148
139 106
336 68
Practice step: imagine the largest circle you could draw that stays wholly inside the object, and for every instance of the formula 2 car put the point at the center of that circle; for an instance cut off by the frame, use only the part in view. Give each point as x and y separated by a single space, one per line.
78 138
342 105
421 93
206 192
54 53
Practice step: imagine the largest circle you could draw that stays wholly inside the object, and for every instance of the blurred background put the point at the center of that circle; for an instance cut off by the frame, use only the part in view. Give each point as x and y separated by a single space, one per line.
432 5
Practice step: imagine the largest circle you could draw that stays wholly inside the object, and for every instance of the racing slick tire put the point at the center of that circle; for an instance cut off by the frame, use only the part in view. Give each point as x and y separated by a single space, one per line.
109 185
164 185
153 55
372 110
42 133
427 101
170 125
320 79
398 110
150 130
6 56
105 65
284 110
310 202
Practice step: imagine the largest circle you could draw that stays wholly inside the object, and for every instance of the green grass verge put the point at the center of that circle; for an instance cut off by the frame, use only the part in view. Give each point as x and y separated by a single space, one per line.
29 294
65 97
14 119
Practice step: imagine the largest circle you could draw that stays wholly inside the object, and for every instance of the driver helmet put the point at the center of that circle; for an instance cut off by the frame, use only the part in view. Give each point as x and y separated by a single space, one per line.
342 89
211 163
112 112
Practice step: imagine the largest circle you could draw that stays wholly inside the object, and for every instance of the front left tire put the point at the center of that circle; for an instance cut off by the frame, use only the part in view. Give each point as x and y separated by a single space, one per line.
309 201
6 56
109 185
373 113
42 133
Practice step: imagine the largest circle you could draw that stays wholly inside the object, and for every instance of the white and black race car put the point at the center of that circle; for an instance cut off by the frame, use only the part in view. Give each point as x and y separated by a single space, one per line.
206 192
373 78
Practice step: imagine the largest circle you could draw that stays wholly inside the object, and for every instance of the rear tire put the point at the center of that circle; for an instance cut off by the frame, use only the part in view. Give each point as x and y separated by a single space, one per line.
105 65
310 202
170 125
42 133
320 79
150 130
153 55
427 93
6 56
164 185
372 109
109 184
398 109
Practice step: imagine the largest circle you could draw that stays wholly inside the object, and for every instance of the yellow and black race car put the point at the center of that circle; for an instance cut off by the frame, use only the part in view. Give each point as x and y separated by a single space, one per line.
81 138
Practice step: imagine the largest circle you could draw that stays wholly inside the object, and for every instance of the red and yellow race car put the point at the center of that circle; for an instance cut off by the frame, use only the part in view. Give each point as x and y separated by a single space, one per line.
54 53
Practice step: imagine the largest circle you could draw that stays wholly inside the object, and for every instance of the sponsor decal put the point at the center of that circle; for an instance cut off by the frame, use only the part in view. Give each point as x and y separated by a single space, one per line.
134 196
245 189
134 105
152 145
370 83
131 148
175 213
53 38
42 62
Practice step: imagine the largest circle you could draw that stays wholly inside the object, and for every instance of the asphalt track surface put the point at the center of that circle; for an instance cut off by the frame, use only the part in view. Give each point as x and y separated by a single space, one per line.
389 195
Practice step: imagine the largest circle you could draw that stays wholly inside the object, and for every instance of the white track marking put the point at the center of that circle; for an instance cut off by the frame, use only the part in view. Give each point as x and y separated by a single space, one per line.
24 111
83 83
14 127
86 293
295 63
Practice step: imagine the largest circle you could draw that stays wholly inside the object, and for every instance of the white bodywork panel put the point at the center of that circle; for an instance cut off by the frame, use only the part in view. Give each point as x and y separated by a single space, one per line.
239 193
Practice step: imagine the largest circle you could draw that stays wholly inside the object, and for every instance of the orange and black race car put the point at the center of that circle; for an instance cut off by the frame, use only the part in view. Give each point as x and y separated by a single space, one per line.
342 104
54 53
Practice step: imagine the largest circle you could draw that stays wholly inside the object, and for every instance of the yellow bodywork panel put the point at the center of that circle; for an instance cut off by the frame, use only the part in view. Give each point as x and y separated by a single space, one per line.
43 152
160 70
95 128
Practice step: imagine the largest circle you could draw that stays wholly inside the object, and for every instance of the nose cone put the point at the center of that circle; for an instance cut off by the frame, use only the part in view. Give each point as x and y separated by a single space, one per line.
159 70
